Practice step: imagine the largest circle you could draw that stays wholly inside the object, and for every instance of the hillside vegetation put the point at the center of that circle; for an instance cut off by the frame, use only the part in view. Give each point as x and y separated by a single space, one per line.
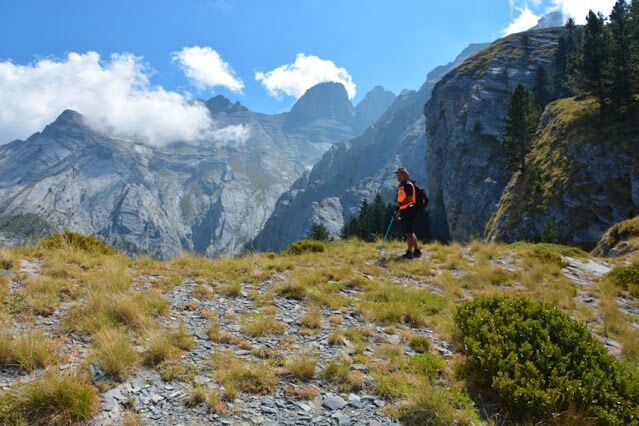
580 177
326 332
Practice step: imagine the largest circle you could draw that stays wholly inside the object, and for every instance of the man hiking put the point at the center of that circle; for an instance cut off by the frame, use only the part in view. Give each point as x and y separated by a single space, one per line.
407 210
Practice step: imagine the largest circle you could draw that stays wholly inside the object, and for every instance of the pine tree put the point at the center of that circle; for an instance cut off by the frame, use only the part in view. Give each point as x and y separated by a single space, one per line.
318 232
620 86
594 59
542 90
566 50
519 131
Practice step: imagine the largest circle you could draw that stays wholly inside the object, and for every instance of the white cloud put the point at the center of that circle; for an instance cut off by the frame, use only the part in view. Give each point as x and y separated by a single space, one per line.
116 97
525 21
578 9
307 71
205 68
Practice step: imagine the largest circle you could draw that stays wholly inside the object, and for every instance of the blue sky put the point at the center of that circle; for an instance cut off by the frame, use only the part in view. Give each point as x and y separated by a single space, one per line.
391 43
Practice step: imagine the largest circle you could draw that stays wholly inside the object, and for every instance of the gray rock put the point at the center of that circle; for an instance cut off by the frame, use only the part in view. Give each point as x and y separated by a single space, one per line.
467 170
333 402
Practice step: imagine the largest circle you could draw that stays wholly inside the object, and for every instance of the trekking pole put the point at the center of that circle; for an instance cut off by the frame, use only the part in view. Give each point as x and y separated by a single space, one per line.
386 235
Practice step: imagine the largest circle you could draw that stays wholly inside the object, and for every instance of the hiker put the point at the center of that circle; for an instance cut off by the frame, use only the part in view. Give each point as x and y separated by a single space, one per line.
407 210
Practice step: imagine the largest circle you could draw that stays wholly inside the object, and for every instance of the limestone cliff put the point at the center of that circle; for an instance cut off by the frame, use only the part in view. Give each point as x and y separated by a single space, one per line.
465 120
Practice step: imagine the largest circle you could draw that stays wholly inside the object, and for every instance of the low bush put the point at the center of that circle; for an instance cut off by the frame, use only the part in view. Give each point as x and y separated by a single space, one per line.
626 278
427 365
541 363
419 344
88 243
54 399
306 246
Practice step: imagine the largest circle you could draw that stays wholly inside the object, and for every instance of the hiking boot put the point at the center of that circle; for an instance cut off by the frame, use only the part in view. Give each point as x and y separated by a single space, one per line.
407 255
417 254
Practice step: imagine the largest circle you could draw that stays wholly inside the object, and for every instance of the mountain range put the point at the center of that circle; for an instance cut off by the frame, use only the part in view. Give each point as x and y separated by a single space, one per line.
211 198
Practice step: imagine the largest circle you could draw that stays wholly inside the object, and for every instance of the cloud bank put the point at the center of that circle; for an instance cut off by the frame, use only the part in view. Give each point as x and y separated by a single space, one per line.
578 9
528 12
526 20
307 71
205 68
115 96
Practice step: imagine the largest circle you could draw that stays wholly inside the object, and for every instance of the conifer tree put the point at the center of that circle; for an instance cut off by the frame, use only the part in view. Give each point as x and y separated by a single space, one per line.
319 232
566 51
593 71
519 131
542 90
620 86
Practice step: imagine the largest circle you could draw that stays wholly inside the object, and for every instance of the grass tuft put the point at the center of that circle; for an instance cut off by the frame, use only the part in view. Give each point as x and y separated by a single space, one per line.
56 399
114 352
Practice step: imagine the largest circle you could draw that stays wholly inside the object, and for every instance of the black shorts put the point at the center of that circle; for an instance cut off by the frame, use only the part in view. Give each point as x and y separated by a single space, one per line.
408 217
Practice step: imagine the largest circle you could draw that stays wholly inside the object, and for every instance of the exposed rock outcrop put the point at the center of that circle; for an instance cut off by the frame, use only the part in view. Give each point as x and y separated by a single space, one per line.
466 168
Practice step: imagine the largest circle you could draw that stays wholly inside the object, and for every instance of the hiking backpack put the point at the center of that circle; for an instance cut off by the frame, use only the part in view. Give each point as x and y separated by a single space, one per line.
422 198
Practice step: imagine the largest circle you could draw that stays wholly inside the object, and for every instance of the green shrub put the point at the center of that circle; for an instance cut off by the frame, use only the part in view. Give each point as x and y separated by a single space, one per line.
624 231
88 243
420 344
626 278
55 399
540 362
306 246
427 365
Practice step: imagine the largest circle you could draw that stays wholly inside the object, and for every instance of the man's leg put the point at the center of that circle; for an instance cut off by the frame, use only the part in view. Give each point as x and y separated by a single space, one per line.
415 243
412 245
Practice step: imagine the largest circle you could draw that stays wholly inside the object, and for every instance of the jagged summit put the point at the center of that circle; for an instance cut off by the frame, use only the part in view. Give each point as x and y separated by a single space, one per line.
69 117
221 103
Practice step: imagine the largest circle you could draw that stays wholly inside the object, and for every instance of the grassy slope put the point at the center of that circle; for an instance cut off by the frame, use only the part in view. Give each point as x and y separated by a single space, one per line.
560 184
102 296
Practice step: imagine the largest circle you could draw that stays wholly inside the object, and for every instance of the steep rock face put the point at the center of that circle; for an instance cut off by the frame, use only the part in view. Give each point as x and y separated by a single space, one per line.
582 175
374 104
465 119
211 197
328 102
355 170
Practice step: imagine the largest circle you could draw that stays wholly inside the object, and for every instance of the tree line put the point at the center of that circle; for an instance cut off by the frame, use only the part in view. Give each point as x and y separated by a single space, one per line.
600 59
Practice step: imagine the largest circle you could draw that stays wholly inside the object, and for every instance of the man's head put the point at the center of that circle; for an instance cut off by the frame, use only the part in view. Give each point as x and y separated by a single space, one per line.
401 174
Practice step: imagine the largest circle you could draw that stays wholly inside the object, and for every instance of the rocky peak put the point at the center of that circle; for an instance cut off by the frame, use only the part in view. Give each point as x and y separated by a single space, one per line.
69 118
372 107
220 103
327 101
